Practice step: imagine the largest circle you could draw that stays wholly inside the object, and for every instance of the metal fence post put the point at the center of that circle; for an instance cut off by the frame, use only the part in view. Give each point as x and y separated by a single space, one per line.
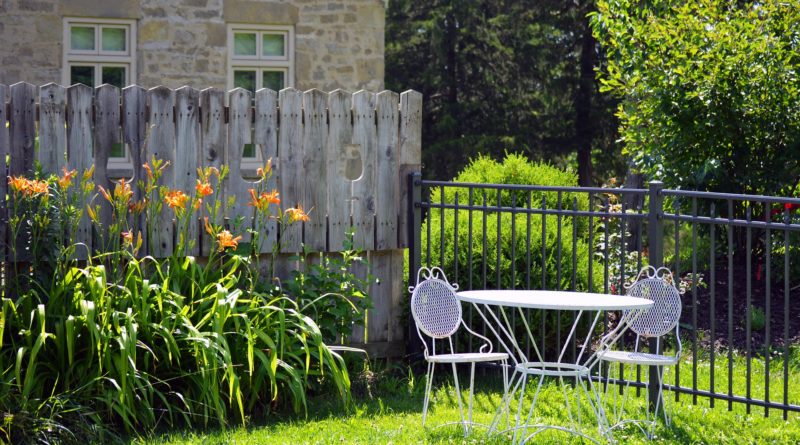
413 344
655 245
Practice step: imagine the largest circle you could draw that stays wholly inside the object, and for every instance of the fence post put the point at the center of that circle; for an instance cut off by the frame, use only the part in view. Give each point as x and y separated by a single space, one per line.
655 245
413 343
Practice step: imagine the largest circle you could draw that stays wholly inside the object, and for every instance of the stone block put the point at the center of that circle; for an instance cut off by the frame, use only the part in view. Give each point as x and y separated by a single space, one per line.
243 11
118 9
153 30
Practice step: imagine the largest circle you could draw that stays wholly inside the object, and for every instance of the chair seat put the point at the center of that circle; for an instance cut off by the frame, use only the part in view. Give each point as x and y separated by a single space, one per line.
638 358
470 357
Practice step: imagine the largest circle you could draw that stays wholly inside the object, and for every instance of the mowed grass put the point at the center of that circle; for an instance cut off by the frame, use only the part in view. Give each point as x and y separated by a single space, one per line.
393 415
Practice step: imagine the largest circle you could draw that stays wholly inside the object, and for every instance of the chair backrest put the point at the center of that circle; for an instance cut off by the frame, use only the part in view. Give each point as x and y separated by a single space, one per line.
436 310
663 316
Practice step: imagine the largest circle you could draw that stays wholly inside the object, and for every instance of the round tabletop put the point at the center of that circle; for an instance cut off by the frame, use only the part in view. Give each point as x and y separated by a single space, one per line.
555 300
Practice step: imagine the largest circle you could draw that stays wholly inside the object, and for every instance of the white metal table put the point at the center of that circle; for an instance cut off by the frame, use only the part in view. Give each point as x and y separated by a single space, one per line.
493 305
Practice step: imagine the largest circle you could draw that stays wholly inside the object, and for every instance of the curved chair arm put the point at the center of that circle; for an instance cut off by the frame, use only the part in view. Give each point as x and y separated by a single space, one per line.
487 344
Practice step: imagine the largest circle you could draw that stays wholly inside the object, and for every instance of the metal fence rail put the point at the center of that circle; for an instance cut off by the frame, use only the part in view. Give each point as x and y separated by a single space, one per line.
737 255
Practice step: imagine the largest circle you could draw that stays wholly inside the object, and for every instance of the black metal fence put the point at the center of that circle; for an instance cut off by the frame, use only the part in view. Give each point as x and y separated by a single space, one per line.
737 258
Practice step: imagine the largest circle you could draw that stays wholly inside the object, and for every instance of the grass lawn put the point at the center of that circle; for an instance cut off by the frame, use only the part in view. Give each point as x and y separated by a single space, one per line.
394 415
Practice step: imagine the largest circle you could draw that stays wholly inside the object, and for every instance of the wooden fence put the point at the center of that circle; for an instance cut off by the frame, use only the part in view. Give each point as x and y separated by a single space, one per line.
343 154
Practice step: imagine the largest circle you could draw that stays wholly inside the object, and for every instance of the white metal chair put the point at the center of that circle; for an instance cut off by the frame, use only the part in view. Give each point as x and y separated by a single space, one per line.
655 322
437 313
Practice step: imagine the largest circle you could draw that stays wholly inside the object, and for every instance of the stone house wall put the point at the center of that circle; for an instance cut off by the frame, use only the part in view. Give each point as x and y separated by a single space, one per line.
337 44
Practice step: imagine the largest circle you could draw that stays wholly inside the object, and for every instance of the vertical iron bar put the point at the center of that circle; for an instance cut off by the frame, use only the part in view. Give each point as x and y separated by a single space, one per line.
694 301
749 304
573 349
527 312
590 284
713 303
786 221
677 207
558 242
484 253
544 270
470 203
498 206
455 239
428 241
574 243
730 304
528 244
767 303
455 254
513 243
606 210
655 245
623 242
639 265
513 253
471 200
558 263
441 229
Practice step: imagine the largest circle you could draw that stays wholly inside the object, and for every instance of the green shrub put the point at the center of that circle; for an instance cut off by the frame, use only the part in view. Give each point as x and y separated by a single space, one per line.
514 271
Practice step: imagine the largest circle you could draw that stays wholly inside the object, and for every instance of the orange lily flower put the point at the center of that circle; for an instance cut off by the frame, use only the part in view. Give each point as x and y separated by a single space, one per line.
297 214
203 189
18 184
66 179
176 199
272 197
226 239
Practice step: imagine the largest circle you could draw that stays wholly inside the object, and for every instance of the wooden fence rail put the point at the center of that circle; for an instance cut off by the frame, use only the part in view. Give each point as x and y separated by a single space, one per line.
344 155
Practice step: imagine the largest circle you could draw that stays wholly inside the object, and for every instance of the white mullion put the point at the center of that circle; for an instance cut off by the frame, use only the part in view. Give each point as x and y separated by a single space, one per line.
97 42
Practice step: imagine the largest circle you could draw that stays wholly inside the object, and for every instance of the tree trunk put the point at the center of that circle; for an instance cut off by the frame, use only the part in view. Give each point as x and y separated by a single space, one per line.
584 128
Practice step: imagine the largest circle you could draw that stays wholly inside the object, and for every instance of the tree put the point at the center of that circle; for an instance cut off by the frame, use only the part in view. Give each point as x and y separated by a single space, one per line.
710 97
501 75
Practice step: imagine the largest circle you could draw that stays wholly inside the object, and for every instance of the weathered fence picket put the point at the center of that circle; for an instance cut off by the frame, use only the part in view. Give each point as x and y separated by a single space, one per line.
236 186
340 137
290 153
187 144
52 130
315 166
265 137
79 153
340 155
4 143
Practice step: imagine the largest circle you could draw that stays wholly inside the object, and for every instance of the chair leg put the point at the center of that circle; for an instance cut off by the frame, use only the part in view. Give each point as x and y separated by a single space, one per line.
460 404
471 392
427 392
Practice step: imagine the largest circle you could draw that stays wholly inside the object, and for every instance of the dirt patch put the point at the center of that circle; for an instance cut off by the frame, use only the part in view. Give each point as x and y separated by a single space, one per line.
732 330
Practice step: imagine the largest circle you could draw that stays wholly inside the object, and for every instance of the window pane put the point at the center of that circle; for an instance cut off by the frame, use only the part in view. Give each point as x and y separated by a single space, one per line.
113 39
273 80
244 44
82 38
273 45
249 151
244 79
114 75
81 74
118 150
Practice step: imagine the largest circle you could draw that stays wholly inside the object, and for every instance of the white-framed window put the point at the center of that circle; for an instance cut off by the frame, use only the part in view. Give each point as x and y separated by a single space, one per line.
99 51
259 56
